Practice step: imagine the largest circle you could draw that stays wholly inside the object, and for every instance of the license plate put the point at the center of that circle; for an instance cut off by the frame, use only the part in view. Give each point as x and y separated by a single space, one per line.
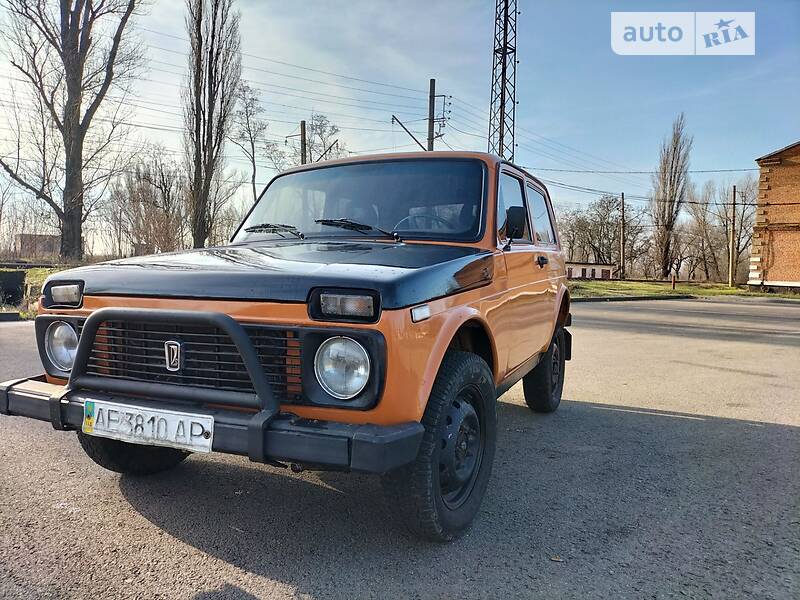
150 426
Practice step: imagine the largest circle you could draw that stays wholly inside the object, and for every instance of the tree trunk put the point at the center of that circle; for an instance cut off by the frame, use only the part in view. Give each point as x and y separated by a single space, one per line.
199 218
71 239
198 202
666 258
72 221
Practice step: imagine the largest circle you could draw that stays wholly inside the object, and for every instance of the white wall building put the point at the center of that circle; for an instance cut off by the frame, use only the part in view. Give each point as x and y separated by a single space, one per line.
590 271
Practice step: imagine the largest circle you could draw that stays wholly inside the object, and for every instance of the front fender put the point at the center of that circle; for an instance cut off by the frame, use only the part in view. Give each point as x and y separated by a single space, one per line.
445 325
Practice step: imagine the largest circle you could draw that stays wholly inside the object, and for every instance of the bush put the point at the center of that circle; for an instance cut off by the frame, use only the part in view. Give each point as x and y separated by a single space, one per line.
12 287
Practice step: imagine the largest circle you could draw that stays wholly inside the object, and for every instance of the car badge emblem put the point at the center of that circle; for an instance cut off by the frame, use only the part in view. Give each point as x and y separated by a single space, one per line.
173 353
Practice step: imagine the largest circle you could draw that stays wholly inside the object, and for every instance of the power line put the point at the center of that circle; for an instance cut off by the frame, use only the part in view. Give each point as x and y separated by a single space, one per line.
626 182
167 127
643 172
294 66
297 110
297 77
562 156
547 154
595 191
574 154
395 107
117 144
538 135
284 87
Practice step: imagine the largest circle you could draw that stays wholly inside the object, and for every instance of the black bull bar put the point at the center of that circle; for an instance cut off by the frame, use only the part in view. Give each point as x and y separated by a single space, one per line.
264 436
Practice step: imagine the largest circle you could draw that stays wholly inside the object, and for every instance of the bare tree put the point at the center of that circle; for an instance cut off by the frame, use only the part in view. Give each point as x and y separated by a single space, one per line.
591 234
147 212
746 199
670 187
209 102
322 143
708 239
568 228
323 139
249 129
70 53
6 193
226 220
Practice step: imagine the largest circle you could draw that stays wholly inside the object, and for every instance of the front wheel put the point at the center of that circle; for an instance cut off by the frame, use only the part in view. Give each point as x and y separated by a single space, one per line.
439 494
130 459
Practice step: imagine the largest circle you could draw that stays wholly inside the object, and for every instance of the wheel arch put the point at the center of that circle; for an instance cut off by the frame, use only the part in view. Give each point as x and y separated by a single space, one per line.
563 304
473 336
464 325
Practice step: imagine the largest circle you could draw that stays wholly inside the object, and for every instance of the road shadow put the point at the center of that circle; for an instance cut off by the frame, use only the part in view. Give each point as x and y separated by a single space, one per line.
225 592
592 501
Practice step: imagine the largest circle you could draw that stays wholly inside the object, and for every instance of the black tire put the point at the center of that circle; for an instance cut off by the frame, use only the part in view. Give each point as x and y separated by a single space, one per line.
439 494
130 459
543 385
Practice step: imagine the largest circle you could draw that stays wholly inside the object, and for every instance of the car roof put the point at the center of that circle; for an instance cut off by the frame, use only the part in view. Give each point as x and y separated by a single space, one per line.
486 157
483 156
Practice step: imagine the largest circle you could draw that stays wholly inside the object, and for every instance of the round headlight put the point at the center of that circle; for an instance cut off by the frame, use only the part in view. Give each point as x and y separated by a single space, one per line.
61 344
342 367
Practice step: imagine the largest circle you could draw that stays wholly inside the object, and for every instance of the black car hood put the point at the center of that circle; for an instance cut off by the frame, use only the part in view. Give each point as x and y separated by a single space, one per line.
286 271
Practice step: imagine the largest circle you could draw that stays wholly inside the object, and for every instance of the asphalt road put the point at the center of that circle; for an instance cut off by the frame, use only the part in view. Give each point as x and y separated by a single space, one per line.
672 469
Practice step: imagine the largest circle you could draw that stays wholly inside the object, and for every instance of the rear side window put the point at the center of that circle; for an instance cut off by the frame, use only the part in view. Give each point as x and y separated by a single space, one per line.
544 232
509 193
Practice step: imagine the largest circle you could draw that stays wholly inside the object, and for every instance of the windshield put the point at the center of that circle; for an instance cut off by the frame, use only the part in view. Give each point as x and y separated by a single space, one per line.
437 199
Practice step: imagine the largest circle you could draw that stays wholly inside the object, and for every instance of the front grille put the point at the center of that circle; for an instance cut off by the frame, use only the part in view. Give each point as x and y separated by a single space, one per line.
135 351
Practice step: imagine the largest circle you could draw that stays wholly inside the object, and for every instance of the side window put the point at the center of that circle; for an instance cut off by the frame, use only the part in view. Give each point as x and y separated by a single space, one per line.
509 193
543 227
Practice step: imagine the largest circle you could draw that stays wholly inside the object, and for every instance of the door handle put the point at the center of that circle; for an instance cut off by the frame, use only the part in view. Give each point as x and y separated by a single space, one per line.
542 261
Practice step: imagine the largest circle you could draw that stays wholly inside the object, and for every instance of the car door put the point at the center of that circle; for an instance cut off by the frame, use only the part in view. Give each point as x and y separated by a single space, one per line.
549 259
525 317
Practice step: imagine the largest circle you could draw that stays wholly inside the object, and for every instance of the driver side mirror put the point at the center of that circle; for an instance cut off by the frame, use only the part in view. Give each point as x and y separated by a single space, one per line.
516 219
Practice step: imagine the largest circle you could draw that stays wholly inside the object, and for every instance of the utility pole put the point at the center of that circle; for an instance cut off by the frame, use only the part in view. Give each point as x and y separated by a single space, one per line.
504 80
413 137
732 245
303 142
622 237
431 110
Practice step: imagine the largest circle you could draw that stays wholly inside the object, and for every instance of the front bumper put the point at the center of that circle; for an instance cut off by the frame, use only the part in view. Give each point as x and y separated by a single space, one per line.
364 448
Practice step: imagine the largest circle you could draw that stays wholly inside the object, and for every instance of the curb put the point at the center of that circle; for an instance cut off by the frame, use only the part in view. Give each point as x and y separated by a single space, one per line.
6 317
734 297
632 298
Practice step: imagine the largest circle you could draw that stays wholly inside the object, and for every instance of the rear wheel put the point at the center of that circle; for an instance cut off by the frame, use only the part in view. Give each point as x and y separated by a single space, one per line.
543 385
130 459
439 494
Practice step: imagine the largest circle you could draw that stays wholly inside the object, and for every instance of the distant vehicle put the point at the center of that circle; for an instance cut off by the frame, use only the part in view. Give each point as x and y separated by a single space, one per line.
366 316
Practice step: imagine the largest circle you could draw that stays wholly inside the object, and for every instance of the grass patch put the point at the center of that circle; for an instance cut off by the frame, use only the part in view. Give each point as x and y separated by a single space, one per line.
616 288
33 277
36 276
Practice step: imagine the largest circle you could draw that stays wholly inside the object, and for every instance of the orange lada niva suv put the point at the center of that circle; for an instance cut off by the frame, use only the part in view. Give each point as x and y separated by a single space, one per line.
365 316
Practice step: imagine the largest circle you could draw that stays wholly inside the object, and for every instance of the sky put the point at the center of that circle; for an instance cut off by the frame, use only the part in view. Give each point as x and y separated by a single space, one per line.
580 106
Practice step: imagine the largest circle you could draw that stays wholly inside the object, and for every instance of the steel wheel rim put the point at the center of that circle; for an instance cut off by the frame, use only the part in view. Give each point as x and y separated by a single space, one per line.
555 368
461 448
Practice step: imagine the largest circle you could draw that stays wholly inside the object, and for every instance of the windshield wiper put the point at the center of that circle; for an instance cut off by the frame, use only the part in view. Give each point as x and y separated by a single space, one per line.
356 226
278 228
